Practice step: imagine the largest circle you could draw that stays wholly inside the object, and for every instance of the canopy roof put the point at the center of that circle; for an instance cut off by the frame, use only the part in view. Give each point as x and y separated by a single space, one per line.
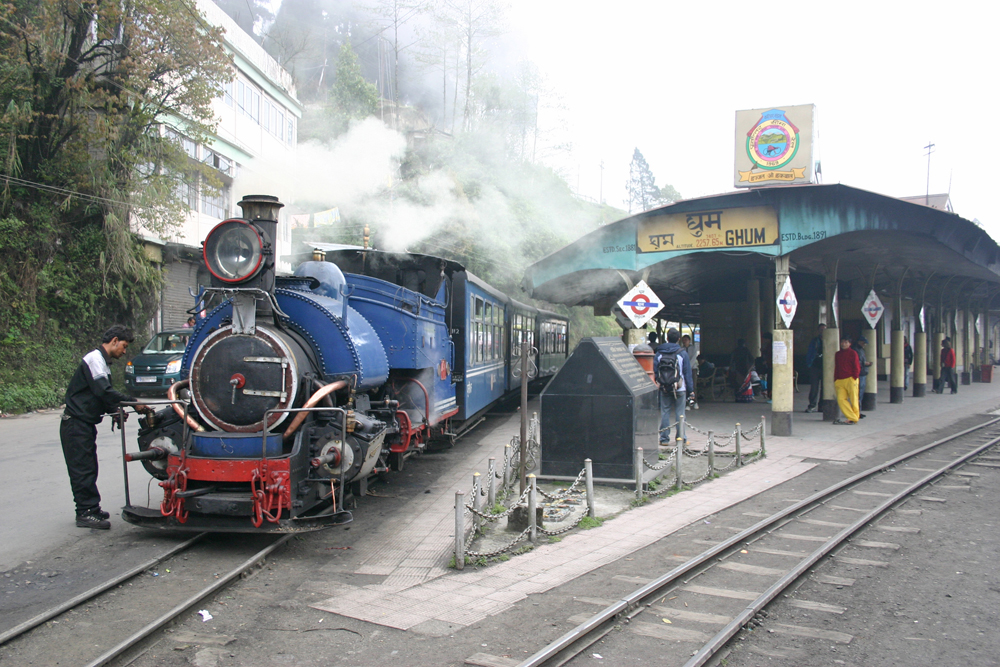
824 229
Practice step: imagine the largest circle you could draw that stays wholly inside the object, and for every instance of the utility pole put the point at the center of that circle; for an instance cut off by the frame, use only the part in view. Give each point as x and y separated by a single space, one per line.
930 149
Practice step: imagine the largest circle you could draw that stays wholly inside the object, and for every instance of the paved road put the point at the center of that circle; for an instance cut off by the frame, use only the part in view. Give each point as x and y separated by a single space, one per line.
34 485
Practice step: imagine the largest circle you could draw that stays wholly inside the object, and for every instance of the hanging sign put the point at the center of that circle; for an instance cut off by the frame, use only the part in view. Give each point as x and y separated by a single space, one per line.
787 303
836 307
872 309
640 304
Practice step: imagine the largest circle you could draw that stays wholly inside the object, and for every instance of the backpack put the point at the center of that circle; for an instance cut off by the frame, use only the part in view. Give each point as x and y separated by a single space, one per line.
668 371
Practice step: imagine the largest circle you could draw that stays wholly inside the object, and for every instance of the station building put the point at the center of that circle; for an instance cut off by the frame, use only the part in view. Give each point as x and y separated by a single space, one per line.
257 124
721 263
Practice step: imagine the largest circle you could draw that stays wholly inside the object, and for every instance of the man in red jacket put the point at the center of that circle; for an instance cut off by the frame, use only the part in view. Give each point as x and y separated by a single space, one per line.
948 367
846 371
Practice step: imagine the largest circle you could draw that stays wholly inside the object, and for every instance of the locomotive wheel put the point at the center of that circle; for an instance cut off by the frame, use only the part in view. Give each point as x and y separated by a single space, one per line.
397 460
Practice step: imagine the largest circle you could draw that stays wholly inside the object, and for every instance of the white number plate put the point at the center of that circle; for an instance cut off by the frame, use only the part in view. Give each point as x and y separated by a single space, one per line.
145 379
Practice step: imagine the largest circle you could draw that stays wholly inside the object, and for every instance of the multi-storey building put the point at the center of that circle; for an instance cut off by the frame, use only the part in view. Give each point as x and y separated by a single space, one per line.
257 122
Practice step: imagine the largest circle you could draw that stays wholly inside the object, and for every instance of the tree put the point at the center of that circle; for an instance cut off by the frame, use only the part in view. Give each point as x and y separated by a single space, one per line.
473 22
641 187
396 14
85 86
352 98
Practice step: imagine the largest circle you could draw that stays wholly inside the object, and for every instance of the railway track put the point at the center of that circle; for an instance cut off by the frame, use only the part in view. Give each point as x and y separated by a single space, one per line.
700 605
98 626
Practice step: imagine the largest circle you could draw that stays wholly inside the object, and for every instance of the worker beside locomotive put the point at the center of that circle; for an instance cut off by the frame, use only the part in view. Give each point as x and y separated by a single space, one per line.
297 387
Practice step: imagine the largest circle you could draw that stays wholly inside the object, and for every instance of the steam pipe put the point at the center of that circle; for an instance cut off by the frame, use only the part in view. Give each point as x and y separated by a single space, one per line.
313 400
172 395
427 400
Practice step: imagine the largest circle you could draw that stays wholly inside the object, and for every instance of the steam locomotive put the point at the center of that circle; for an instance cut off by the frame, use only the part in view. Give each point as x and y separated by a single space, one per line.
297 389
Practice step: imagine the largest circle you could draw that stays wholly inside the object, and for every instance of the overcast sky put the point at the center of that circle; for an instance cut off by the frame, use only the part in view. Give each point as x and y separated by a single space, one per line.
668 77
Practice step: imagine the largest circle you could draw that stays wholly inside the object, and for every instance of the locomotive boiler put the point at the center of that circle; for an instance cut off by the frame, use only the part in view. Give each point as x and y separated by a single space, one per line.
297 389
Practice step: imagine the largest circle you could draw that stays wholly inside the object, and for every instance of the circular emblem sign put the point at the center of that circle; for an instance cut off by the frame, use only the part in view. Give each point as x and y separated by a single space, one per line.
639 304
773 141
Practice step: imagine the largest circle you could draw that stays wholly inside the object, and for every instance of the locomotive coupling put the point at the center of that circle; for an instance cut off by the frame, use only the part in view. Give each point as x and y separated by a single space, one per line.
151 454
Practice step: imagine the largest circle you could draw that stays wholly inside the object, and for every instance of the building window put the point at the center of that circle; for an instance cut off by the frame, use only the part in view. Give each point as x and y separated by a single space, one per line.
227 93
215 202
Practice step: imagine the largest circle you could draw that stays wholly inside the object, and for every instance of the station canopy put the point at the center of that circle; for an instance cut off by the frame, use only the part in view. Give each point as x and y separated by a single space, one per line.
704 249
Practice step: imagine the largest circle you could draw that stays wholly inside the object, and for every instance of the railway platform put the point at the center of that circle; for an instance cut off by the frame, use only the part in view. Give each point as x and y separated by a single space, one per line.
405 562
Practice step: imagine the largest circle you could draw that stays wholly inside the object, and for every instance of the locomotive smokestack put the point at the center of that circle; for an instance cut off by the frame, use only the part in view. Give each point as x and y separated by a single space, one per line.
260 207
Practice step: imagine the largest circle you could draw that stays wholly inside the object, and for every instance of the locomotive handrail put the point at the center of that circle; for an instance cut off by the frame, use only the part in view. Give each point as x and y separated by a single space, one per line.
121 415
303 410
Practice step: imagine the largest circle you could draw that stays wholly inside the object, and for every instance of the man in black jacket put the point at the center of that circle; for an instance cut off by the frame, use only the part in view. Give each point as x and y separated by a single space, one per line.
89 397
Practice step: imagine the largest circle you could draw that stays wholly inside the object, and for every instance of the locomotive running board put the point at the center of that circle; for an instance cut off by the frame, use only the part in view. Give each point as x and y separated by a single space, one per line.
152 518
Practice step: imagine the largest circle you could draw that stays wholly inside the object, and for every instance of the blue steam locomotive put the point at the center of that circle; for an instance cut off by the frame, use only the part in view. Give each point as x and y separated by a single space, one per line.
297 389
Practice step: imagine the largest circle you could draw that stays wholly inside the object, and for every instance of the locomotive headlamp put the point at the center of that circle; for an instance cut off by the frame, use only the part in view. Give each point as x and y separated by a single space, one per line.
234 251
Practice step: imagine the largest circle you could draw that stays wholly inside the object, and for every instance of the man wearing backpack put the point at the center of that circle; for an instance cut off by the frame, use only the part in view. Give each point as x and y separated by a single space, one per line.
673 377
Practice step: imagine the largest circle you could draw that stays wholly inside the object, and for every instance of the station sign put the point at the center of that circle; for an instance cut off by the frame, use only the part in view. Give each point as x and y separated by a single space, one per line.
872 309
774 146
640 304
704 230
787 303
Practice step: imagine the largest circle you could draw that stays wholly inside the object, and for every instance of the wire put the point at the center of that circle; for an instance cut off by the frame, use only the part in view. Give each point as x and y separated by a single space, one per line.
63 191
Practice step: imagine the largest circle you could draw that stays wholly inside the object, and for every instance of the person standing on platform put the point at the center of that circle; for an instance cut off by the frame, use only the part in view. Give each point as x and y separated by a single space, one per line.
948 367
673 377
846 370
89 397
814 362
688 348
907 362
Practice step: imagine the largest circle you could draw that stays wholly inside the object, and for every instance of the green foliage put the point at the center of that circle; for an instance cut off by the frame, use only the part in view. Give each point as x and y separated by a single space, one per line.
498 508
588 522
639 502
352 98
555 538
86 86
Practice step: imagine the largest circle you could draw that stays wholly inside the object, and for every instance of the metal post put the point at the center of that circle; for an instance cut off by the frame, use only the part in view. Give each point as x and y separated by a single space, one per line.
739 454
121 422
506 466
637 466
763 425
525 349
684 433
491 488
476 496
588 466
459 530
532 505
711 452
678 469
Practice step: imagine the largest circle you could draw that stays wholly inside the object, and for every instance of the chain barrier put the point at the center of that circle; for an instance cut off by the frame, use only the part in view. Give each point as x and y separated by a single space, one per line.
660 466
713 450
496 552
496 517
558 495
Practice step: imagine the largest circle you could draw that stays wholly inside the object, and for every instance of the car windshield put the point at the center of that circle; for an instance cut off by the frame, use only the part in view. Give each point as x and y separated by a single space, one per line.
167 342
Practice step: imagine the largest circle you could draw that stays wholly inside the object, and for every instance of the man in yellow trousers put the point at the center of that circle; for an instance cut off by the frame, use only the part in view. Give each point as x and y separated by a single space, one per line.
847 369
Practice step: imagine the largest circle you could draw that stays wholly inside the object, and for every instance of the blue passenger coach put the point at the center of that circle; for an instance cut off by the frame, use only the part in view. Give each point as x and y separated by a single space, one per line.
478 316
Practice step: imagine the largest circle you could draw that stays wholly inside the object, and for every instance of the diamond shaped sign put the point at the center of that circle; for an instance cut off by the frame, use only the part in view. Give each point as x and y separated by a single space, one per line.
872 309
787 303
640 304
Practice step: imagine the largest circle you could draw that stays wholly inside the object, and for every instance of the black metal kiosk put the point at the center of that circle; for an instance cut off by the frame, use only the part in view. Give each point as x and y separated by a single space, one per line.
602 406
